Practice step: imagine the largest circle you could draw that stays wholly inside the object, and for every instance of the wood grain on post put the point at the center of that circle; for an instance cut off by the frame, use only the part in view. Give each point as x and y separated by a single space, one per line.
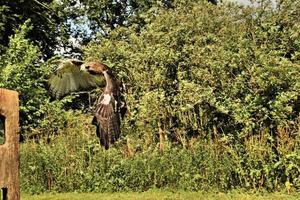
9 151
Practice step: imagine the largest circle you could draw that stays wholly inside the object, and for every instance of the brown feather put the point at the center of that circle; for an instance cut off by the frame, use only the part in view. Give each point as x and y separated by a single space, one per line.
107 121
109 107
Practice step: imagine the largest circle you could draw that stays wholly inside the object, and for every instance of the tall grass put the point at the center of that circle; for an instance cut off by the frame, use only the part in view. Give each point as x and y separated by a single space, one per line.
161 195
76 162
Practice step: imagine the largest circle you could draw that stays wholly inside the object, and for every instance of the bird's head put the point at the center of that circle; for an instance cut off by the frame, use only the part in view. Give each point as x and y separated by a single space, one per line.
94 67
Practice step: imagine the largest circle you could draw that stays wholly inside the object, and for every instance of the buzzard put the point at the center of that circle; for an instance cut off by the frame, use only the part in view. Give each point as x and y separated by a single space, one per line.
109 108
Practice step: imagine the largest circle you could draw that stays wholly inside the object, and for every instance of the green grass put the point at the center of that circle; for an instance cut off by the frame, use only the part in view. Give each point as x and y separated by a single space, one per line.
160 195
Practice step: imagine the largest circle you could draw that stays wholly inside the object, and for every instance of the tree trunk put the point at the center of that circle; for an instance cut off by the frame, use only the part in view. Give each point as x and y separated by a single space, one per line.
161 136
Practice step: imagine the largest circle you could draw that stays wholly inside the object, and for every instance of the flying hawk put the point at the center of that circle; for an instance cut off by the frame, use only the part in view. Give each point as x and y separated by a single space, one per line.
109 108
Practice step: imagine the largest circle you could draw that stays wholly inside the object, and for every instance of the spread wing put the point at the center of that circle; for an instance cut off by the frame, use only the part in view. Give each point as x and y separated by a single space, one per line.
107 119
69 78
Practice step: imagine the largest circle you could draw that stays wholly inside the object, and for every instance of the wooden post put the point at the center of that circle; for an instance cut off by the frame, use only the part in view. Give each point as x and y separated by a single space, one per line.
9 151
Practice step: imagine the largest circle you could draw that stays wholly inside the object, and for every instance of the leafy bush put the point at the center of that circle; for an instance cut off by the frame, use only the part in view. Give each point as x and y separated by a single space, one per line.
232 70
23 70
77 162
219 86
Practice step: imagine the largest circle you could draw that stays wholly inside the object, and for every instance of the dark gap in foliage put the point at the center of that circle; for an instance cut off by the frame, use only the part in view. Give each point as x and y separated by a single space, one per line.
2 129
3 193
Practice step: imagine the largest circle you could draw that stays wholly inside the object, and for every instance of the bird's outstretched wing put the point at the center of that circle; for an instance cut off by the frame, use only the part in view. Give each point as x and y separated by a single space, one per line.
107 120
69 78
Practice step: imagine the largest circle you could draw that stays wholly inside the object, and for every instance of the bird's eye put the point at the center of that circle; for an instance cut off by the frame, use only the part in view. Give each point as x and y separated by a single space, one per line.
87 67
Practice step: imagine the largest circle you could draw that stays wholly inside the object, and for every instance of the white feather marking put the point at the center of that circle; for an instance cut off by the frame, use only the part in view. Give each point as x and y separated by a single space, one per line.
106 99
105 74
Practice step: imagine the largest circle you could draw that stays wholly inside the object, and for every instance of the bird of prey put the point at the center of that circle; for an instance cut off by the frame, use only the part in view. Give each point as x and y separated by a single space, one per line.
109 108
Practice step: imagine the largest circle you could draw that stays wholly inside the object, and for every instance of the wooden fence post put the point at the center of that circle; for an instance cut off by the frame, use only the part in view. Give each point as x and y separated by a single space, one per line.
9 151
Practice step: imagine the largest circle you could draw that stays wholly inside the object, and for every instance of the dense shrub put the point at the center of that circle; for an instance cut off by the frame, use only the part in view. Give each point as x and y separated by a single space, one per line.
232 70
23 70
218 85
76 162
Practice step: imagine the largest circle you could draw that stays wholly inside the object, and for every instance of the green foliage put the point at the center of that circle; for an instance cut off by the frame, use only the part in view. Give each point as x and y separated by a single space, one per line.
20 72
231 70
77 162
221 84
23 70
161 195
47 17
104 16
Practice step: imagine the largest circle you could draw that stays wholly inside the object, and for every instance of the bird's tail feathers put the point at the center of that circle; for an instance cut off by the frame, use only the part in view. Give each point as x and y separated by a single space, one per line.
103 137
